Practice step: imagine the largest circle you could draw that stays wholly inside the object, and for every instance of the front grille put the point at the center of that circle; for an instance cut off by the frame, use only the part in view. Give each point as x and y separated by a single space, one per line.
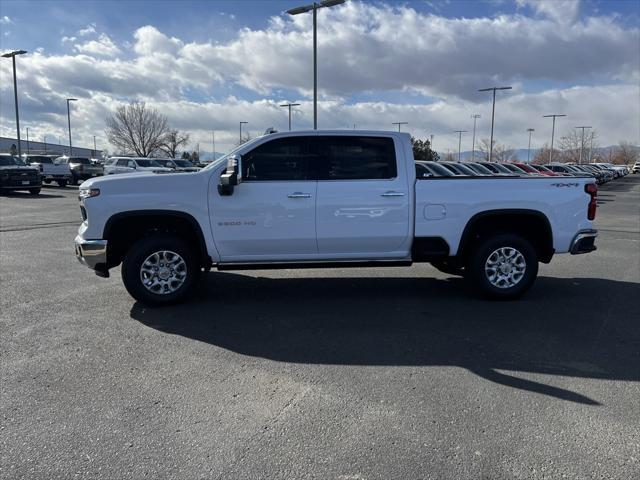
24 176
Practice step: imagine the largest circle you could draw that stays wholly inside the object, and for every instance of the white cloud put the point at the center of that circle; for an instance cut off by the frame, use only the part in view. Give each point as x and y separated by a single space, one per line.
88 30
103 46
4 20
150 41
66 39
562 11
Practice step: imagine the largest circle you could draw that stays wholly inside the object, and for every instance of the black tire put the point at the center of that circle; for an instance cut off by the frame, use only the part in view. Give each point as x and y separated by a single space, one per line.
46 181
73 180
480 279
144 248
449 266
62 183
35 191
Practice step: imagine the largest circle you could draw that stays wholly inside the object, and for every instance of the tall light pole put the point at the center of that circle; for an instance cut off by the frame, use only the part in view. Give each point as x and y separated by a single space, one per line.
590 147
553 131
475 117
44 138
241 123
431 142
12 56
459 132
28 145
530 130
493 113
399 124
304 9
95 150
69 123
290 105
582 143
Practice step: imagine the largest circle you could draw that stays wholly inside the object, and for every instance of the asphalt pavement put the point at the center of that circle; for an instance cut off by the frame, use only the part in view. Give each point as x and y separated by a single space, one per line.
347 374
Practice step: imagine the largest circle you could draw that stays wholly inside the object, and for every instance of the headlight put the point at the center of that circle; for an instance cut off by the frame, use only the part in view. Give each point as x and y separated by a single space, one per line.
88 193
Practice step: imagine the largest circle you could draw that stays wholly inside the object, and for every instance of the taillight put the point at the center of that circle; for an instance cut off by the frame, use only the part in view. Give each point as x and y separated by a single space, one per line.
592 189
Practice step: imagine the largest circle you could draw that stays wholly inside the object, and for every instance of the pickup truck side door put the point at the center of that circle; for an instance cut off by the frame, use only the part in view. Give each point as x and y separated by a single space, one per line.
271 214
363 203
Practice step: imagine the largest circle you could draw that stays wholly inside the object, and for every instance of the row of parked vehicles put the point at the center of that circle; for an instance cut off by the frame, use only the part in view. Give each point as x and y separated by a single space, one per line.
30 171
602 172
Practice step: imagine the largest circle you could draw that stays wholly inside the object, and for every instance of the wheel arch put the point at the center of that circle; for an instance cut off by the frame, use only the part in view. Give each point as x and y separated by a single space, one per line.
532 225
122 229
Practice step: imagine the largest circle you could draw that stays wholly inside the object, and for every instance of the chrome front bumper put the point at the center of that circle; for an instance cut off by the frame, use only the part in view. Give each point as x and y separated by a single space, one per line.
584 242
92 253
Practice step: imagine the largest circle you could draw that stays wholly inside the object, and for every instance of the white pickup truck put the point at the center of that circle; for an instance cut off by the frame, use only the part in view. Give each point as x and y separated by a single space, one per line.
325 199
50 171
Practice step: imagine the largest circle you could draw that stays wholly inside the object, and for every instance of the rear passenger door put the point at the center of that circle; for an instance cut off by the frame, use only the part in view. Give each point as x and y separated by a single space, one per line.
362 206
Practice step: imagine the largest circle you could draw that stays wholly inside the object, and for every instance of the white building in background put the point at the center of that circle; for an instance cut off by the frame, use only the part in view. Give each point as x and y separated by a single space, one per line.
52 148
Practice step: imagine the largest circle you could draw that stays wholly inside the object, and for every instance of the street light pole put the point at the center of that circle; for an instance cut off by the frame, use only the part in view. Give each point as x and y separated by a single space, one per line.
69 123
582 143
314 8
459 132
28 145
241 123
590 147
493 113
213 143
399 124
475 117
13 55
530 130
290 105
95 150
44 138
553 130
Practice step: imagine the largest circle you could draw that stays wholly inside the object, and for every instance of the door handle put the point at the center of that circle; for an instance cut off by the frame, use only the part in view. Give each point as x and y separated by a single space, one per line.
392 194
299 195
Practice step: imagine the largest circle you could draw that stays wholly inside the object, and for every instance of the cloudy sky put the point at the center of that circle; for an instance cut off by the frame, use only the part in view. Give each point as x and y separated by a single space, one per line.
209 64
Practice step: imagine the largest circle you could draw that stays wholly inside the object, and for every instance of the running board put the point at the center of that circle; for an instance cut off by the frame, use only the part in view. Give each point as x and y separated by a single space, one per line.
313 264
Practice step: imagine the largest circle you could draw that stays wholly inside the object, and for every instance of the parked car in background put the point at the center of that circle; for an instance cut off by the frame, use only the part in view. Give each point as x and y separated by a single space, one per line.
479 169
527 168
81 168
545 170
497 168
425 169
117 165
50 171
563 168
460 169
177 164
635 168
514 168
16 175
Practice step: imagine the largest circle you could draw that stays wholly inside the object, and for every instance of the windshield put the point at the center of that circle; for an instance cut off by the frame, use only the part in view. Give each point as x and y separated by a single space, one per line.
514 168
9 161
83 161
166 163
148 163
39 159
480 168
183 163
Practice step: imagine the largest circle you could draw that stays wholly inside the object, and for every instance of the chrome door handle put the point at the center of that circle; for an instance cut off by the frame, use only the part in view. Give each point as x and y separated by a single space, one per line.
299 195
392 194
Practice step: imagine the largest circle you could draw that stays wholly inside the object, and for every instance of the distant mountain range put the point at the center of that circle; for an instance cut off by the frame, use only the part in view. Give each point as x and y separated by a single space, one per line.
521 153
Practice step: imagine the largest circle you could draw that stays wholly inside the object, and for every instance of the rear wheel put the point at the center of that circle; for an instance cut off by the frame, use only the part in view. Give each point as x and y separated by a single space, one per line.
34 191
62 183
46 181
73 180
503 267
160 270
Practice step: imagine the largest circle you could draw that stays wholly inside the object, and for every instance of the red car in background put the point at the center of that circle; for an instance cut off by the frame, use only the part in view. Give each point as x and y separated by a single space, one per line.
536 169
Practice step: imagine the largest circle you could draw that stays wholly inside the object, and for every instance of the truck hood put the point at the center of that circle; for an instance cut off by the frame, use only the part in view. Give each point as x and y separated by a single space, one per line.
141 182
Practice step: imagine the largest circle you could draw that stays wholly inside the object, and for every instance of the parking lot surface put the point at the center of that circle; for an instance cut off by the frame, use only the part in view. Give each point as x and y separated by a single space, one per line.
331 374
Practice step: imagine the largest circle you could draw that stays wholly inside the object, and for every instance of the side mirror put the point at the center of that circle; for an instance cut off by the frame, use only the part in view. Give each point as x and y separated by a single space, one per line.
232 176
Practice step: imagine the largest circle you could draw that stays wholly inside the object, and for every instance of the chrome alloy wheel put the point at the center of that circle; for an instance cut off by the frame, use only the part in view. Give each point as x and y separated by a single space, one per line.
163 272
505 267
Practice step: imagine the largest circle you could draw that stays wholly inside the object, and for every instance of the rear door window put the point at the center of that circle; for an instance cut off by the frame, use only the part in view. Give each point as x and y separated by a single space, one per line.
356 158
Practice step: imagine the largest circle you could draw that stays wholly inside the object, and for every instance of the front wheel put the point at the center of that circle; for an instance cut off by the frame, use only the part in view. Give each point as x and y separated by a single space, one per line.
34 191
503 267
62 183
160 270
73 180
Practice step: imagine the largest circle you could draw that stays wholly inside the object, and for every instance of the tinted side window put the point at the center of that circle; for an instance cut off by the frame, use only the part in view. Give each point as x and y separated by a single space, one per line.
122 162
280 159
356 158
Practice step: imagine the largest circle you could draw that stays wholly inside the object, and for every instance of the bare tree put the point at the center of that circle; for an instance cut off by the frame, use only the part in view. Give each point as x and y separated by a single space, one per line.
571 144
501 153
625 154
172 141
137 128
542 155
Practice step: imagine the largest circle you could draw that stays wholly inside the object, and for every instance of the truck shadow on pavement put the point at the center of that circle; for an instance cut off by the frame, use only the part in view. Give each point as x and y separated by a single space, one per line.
581 327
